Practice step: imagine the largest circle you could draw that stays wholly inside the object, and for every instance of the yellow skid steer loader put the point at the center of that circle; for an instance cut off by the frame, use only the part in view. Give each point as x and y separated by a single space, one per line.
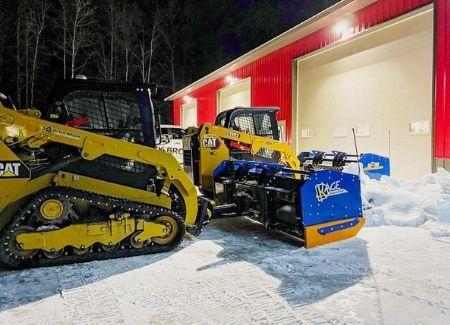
85 181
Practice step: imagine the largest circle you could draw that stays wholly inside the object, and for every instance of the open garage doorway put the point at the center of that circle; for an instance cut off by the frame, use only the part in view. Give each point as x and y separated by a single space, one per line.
235 95
380 84
189 113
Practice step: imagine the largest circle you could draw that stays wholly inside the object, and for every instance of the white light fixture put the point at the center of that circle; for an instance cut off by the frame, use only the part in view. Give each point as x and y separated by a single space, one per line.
187 99
231 80
343 28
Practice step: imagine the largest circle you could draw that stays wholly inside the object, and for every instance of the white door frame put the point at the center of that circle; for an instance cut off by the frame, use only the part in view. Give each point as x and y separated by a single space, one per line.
193 102
248 79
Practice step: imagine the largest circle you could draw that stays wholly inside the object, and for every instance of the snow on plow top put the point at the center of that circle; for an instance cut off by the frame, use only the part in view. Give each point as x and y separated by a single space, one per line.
424 202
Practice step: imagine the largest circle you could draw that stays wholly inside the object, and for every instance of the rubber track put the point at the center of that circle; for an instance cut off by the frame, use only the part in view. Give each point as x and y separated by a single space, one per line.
136 208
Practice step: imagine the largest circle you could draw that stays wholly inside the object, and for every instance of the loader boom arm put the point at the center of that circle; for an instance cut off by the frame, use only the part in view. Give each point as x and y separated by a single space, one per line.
18 128
256 143
213 150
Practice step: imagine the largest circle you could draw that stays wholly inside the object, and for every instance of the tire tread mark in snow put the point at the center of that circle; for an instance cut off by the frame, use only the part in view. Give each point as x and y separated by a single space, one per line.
95 303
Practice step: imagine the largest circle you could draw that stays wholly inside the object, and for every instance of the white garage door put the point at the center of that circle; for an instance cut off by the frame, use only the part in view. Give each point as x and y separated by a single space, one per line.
238 94
189 114
381 85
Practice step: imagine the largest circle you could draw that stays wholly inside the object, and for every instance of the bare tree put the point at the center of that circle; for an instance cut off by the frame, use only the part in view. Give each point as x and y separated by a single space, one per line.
127 36
22 45
76 24
102 57
31 22
26 35
114 39
38 23
111 10
63 26
147 42
20 10
4 23
109 38
153 40
173 30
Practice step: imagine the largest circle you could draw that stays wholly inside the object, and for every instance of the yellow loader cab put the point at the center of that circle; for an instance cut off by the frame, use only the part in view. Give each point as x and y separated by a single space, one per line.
87 182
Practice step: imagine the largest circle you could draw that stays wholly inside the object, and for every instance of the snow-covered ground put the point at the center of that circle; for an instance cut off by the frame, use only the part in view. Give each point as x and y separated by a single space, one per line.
396 272
422 203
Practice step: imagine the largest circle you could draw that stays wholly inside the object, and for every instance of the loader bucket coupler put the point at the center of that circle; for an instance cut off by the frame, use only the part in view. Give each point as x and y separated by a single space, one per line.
331 207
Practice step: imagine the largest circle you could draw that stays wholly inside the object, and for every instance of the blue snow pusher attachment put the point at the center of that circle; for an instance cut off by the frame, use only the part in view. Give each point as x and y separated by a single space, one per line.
374 165
318 206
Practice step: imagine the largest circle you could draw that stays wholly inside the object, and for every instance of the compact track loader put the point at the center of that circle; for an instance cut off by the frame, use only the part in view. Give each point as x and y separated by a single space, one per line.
240 163
86 182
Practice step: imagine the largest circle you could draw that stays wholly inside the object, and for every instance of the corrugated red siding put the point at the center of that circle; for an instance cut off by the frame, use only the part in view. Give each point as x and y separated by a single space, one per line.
272 75
442 83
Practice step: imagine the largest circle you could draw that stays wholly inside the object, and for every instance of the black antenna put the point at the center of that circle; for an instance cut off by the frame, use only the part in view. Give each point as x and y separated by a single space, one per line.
389 139
357 153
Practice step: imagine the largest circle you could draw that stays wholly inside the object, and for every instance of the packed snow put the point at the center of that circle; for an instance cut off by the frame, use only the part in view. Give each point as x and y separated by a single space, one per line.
395 272
394 201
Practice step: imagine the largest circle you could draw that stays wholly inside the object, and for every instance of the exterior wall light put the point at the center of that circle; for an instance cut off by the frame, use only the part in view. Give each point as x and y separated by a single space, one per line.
231 80
343 28
187 99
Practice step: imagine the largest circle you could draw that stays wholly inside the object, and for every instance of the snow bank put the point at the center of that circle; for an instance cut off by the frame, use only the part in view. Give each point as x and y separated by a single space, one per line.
421 203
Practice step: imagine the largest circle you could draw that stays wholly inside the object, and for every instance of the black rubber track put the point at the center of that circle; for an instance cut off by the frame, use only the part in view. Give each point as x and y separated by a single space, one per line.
26 217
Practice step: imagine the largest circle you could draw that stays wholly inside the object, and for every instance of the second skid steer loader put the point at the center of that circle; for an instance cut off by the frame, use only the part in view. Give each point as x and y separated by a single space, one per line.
240 163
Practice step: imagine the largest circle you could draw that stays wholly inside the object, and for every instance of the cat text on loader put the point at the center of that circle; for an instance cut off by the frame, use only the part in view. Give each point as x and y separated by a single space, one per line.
86 182
240 163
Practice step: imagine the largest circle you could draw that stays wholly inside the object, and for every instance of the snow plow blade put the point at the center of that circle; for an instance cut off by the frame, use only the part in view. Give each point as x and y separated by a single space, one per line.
331 207
318 206
330 232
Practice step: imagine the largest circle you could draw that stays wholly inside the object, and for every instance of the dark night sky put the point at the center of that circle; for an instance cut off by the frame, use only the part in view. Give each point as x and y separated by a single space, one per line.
242 25
207 34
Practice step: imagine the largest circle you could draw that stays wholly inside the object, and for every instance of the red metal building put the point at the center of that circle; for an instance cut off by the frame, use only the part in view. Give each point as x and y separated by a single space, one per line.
380 67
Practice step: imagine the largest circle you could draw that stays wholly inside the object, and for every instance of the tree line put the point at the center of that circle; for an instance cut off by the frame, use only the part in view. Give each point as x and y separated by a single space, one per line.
43 40
171 42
